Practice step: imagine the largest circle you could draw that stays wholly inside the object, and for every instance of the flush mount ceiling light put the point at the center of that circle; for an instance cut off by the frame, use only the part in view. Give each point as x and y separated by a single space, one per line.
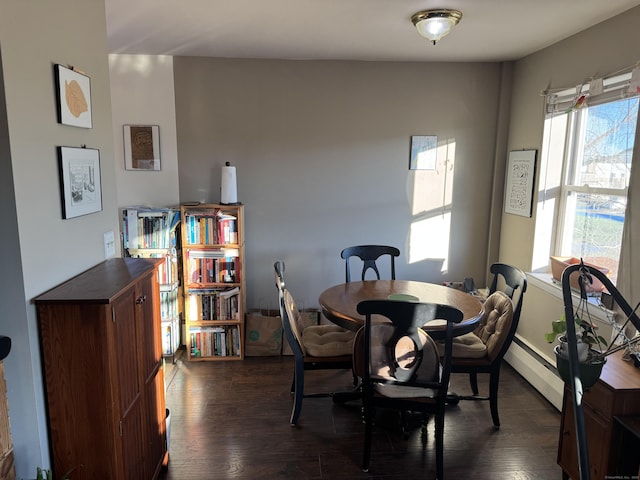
435 24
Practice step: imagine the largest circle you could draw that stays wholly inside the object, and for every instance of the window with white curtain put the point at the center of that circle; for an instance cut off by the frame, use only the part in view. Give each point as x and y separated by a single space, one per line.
586 159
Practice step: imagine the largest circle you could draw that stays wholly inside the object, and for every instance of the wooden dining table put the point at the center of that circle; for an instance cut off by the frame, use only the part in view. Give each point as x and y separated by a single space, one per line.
340 302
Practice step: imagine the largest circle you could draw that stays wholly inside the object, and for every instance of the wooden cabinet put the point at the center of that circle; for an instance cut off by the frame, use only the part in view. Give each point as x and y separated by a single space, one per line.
616 393
214 285
102 362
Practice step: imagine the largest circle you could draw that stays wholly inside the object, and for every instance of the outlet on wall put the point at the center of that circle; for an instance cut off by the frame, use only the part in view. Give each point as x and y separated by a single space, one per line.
109 244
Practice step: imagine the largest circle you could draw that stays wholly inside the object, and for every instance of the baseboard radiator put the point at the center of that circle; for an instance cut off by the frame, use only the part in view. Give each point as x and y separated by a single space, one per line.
536 369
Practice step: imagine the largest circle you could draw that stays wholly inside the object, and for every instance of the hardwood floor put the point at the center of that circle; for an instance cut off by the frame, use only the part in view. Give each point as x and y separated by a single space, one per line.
230 420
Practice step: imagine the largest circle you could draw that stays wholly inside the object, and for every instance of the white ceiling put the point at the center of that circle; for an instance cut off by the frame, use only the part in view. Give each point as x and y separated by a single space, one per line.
490 30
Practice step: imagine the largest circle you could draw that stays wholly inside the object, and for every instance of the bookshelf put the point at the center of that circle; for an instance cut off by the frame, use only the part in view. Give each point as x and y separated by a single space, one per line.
155 233
214 285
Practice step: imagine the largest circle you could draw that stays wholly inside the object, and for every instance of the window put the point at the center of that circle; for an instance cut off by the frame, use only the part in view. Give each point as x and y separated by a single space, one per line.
585 169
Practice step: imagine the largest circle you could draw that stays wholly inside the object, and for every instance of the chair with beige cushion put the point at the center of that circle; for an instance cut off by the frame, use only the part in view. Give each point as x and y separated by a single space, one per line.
314 347
400 366
482 350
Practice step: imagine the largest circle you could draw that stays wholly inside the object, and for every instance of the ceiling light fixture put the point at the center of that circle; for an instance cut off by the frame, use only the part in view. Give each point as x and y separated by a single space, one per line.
435 24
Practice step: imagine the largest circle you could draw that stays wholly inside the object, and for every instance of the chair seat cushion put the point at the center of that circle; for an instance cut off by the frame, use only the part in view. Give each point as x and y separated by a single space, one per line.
428 370
401 391
492 331
327 341
468 345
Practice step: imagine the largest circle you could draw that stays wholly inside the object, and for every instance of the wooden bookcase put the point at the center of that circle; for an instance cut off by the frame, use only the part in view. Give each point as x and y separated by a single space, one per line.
615 394
103 372
214 284
155 233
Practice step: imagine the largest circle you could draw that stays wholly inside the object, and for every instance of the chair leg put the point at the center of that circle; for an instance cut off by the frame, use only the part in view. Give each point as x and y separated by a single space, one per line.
439 427
298 391
493 396
368 433
473 381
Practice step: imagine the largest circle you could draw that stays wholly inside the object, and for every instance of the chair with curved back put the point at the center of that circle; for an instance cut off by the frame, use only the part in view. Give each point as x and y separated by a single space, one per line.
483 350
314 347
400 366
369 254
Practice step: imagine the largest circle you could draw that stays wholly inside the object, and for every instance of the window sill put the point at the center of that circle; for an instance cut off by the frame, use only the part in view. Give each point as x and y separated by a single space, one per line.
545 282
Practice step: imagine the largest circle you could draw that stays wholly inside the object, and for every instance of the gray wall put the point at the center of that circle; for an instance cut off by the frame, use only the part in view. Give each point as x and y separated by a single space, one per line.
39 249
322 152
600 50
142 94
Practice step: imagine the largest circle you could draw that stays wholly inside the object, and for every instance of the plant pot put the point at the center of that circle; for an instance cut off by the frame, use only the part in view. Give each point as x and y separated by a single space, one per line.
589 371
582 347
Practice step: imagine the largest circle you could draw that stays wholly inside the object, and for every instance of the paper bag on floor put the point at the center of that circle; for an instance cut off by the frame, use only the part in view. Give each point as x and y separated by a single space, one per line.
263 333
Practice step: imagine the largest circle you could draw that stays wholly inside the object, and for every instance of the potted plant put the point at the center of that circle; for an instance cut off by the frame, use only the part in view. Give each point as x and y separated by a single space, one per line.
590 346
46 474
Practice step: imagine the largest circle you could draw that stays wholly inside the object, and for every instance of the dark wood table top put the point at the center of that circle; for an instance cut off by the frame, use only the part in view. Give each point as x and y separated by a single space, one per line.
339 303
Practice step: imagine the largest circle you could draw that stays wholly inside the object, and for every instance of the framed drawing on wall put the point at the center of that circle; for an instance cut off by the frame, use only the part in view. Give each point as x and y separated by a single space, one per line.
521 172
74 97
423 152
142 147
79 181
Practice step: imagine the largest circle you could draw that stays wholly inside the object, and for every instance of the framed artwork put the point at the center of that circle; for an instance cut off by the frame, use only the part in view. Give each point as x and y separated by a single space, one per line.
142 147
79 181
74 97
423 152
521 171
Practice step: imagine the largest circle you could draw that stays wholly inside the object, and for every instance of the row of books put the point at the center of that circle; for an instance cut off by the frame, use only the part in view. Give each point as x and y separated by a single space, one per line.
217 341
169 304
212 269
209 305
167 270
149 228
207 229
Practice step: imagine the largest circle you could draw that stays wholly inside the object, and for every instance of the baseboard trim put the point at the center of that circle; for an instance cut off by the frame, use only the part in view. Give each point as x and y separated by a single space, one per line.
537 372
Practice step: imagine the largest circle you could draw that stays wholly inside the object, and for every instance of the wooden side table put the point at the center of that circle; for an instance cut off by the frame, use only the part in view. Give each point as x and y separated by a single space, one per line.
615 394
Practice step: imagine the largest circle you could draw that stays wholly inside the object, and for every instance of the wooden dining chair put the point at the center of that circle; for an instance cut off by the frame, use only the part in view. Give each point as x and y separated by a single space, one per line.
400 366
369 254
483 350
314 347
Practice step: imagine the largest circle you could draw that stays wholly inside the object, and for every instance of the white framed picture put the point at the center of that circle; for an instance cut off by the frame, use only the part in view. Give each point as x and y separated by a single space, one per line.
521 171
423 152
74 97
79 181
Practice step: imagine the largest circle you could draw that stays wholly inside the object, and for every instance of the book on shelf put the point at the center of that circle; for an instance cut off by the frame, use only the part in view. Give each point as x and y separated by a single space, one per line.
146 227
214 305
211 228
211 266
214 341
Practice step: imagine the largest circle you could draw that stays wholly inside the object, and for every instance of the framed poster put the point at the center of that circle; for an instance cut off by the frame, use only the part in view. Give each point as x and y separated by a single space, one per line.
74 97
141 147
423 152
521 172
79 181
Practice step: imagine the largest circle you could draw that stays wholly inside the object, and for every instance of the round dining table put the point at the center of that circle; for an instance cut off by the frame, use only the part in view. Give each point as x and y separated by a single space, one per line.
340 302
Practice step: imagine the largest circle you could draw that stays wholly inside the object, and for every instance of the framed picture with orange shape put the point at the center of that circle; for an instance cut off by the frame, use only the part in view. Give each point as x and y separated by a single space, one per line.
74 97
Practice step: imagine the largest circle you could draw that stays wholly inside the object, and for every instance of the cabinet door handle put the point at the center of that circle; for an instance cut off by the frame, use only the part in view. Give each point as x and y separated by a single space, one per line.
141 299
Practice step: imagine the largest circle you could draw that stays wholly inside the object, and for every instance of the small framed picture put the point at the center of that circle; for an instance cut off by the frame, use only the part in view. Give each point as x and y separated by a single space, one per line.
423 152
74 97
79 181
141 147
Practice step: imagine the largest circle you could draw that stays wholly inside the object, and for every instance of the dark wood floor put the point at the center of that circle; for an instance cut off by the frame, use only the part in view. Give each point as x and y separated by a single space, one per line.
230 420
